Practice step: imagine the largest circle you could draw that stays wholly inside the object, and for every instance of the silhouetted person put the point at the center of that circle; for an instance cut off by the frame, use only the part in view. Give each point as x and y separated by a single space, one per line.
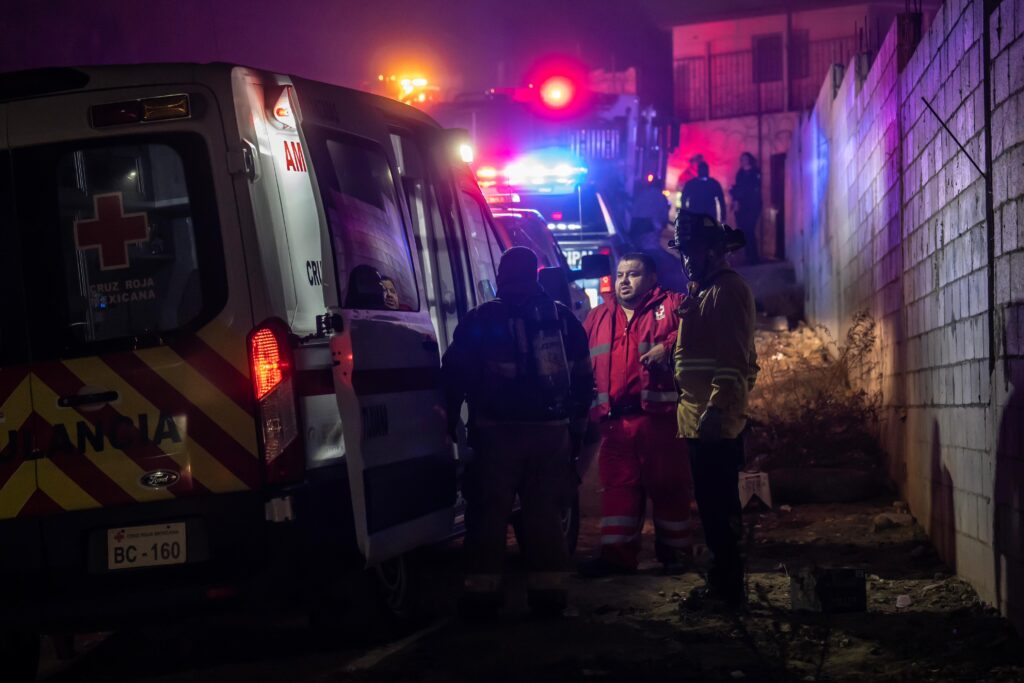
522 364
747 204
704 194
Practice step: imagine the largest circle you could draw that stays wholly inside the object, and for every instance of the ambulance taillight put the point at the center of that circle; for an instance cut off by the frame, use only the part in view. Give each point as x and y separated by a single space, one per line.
273 379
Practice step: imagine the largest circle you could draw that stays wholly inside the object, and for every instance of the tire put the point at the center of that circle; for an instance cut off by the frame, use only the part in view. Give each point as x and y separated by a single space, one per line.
393 587
571 523
19 656
371 605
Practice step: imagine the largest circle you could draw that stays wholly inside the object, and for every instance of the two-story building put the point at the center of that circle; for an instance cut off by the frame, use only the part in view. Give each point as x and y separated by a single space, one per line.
743 79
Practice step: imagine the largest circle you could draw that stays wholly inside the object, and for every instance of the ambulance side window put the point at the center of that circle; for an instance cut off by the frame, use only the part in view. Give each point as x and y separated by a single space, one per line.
367 231
126 231
484 250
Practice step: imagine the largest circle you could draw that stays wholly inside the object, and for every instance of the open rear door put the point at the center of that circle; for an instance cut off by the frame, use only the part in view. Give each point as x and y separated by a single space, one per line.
386 358
19 495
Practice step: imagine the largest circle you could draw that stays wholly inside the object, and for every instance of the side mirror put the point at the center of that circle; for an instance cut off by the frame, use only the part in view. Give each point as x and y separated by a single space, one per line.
555 284
593 266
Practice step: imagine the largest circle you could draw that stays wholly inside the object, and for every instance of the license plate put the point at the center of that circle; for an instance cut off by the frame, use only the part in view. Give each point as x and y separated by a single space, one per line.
146 546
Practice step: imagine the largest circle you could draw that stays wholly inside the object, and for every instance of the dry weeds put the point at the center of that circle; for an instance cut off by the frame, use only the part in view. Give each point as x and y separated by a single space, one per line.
807 408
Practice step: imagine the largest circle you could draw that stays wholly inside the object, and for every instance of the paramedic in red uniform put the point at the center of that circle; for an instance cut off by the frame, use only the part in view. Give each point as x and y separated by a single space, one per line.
521 364
631 342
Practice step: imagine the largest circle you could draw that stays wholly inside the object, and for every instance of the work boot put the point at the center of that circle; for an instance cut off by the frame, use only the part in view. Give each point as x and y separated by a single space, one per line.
480 606
673 563
598 567
711 598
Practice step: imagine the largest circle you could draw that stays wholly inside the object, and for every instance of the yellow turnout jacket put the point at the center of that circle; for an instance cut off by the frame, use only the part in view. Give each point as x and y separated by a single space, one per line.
715 359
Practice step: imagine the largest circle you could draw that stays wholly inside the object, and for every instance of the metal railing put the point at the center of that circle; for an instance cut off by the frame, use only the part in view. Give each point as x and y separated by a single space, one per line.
726 87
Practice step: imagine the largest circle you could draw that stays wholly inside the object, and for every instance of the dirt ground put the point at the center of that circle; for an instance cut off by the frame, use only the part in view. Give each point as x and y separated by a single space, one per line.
631 628
625 628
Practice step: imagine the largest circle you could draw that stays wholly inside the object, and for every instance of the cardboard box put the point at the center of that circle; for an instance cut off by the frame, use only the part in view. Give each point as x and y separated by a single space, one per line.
755 485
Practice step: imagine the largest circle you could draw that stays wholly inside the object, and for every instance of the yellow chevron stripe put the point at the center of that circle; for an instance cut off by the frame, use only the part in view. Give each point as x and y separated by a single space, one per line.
18 405
17 490
113 462
62 488
190 456
22 484
203 394
228 342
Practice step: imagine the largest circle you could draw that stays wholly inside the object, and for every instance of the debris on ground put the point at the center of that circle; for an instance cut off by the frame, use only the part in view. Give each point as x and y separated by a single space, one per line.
631 627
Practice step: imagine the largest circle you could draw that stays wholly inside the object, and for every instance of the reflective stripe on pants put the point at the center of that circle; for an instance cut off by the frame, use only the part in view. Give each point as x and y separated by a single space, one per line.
641 456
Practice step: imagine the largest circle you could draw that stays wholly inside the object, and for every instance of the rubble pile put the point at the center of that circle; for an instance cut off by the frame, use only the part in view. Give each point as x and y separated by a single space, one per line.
806 409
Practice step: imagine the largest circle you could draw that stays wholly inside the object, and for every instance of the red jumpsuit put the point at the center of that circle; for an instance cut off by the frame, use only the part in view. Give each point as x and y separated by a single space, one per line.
640 455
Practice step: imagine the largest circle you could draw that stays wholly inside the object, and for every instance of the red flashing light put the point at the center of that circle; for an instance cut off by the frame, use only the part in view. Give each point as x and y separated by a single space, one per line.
265 357
556 215
557 92
558 86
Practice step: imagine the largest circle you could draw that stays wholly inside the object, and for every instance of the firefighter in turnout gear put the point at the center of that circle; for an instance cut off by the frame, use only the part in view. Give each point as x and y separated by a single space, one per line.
522 365
715 367
631 341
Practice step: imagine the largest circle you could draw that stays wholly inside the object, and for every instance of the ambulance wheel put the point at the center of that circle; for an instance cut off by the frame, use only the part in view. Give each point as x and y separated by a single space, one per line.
393 586
571 523
19 656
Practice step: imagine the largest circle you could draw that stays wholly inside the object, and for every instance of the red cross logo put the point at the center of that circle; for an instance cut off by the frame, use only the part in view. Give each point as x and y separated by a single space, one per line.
119 536
111 231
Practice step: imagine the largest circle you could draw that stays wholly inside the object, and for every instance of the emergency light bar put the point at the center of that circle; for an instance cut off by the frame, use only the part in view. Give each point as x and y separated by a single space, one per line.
544 172
141 111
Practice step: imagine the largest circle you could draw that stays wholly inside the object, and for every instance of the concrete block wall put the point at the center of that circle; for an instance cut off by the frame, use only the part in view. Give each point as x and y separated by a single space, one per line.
888 214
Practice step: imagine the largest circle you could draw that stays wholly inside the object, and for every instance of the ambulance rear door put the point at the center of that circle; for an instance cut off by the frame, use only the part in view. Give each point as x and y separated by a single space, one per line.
19 495
138 322
386 357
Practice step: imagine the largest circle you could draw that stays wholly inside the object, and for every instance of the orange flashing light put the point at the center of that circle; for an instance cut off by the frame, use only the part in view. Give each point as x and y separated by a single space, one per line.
267 366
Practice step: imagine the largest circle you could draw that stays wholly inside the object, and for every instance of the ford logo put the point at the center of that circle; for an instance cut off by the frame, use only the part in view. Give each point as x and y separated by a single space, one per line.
159 479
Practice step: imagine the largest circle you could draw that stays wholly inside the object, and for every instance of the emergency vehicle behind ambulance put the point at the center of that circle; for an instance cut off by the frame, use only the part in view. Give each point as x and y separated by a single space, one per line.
196 360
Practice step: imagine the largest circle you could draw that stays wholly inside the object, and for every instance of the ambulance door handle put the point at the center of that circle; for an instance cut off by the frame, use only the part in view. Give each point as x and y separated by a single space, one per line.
86 399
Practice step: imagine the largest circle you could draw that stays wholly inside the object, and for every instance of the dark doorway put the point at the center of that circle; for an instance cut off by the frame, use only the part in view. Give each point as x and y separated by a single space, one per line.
778 199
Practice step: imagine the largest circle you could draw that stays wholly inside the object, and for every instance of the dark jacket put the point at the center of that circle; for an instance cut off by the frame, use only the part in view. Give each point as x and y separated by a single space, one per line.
483 367
747 192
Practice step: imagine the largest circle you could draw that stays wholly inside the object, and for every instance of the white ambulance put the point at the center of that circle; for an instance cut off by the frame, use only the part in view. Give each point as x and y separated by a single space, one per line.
228 292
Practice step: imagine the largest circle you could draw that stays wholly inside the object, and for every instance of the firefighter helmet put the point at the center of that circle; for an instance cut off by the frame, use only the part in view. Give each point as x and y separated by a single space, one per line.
696 228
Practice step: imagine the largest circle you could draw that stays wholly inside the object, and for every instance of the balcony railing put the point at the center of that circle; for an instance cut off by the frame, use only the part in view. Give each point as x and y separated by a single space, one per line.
725 88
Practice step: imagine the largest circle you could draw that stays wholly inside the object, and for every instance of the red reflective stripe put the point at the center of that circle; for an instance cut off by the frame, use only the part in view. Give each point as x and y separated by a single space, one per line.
39 504
63 382
81 470
10 378
217 369
8 467
201 427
